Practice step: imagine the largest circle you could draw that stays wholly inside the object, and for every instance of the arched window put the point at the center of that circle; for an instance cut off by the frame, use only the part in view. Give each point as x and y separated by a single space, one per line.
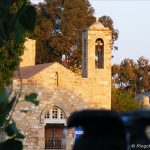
99 53
55 115
55 122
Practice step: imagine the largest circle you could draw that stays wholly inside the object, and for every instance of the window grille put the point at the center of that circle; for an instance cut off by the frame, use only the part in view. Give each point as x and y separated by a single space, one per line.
47 115
55 113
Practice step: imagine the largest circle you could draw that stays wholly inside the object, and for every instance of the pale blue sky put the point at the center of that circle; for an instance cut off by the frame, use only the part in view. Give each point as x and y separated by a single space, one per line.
131 18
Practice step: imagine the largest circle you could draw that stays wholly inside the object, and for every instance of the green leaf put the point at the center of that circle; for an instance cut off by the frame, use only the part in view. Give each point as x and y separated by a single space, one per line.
11 129
32 97
20 136
3 97
19 32
11 144
3 106
27 17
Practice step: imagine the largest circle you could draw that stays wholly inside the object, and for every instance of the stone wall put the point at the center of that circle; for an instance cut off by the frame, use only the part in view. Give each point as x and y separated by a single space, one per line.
96 83
28 58
29 118
58 86
94 86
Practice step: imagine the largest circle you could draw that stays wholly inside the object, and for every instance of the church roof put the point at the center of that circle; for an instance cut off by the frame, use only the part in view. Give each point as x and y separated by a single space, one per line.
29 71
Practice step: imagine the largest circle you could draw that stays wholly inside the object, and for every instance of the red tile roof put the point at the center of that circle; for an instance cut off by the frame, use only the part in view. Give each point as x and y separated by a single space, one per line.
29 71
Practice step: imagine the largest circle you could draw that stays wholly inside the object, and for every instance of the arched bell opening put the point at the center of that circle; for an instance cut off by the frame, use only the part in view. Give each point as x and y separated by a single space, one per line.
99 53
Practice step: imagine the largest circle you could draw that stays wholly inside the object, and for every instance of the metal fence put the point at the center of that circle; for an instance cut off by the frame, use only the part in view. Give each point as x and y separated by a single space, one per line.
55 143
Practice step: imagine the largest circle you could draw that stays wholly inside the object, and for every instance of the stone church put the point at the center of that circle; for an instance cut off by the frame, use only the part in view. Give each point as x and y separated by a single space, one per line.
62 92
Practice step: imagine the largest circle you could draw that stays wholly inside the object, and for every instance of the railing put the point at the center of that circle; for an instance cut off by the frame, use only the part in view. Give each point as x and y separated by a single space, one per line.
55 143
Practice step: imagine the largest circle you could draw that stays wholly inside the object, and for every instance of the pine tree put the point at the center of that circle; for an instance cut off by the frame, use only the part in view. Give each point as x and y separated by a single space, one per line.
59 28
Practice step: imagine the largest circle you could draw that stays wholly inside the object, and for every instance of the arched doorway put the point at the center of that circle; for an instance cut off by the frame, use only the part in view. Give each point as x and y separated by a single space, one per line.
55 122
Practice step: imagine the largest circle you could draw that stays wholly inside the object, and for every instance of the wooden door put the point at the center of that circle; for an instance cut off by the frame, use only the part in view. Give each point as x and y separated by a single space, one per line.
54 136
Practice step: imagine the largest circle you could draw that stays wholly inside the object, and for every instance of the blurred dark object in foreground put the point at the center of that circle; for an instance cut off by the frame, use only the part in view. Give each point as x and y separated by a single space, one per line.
109 130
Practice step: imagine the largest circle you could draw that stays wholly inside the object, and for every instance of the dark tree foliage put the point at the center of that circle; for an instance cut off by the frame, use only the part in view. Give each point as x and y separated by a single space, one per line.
16 18
13 25
58 30
108 22
9 63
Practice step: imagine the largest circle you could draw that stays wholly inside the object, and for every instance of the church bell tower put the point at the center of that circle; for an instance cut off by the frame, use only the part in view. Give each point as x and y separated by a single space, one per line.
96 61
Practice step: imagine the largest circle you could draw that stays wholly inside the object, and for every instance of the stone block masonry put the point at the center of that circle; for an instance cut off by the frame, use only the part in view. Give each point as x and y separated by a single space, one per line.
57 87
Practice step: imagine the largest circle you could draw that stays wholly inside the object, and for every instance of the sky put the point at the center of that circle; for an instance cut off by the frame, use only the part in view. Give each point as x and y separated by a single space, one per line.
131 18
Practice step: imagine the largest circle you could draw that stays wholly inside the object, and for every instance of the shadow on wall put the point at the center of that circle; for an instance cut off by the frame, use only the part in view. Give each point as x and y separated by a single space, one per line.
109 130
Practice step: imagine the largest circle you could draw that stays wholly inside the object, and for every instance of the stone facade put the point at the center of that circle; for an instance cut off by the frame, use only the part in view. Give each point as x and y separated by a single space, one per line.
97 82
29 53
57 86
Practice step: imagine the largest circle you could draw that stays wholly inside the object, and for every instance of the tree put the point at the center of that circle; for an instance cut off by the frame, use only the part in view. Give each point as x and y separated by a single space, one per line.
129 78
58 30
108 22
143 74
12 36
115 73
132 75
128 75
14 23
123 101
